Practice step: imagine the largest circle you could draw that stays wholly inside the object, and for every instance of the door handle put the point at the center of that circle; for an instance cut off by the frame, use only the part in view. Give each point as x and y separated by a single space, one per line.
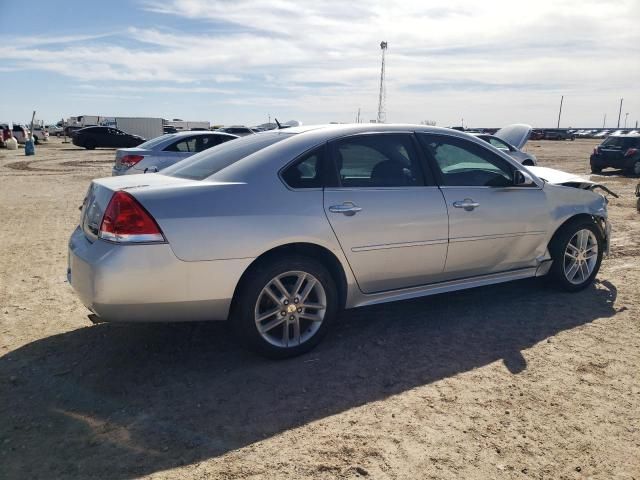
467 204
347 208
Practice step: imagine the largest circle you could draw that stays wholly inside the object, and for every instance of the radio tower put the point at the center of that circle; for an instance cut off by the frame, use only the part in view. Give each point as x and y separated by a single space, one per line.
382 114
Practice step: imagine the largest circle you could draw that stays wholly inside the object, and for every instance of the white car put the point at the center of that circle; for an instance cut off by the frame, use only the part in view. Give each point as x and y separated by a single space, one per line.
165 150
40 134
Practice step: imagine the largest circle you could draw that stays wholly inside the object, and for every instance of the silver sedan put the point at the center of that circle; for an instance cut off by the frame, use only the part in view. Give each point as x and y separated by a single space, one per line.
165 150
278 231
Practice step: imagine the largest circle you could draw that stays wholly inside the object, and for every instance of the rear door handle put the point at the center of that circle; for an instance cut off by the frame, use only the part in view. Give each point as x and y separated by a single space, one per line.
347 208
467 204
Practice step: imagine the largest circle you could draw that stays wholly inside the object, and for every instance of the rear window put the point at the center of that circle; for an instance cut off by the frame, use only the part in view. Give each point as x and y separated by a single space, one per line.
149 144
205 164
621 142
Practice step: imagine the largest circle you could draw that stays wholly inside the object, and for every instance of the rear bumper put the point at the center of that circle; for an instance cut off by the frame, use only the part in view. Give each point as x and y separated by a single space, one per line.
622 162
146 283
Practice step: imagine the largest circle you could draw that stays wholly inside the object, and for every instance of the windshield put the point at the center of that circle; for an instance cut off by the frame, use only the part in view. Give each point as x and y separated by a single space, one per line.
149 144
205 164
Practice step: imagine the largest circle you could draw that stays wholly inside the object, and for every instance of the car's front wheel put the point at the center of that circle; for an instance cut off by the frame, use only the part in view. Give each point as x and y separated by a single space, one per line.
576 252
285 306
595 169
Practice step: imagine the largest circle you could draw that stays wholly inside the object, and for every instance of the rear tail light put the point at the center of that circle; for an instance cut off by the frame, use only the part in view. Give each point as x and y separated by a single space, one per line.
631 152
126 221
130 160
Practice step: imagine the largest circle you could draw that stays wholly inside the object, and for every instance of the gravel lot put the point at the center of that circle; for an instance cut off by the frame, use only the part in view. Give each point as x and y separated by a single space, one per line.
509 381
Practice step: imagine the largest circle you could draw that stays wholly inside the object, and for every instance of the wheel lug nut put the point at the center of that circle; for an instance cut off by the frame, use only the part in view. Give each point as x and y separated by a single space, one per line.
283 313
286 302
299 310
292 318
295 300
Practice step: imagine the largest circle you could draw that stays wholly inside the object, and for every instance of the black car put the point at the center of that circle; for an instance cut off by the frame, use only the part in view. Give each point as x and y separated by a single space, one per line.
92 137
558 134
617 151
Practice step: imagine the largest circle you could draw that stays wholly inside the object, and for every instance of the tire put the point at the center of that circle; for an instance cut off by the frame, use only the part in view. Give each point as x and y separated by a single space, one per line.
90 145
634 170
595 169
253 300
527 163
36 140
562 271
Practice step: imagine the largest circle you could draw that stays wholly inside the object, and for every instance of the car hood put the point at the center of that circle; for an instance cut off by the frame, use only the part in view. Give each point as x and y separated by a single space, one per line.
558 177
516 134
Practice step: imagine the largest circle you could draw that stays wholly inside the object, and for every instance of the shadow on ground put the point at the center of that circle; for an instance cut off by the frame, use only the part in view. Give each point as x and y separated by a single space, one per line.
120 401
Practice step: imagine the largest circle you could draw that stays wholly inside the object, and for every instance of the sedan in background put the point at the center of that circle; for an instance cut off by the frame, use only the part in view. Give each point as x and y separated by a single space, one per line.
105 137
276 232
165 150
511 140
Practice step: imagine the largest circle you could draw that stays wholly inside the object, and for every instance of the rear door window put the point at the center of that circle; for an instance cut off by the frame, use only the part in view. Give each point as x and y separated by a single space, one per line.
377 160
206 141
185 145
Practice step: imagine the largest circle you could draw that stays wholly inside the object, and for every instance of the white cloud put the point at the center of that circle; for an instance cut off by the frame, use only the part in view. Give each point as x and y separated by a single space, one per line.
322 58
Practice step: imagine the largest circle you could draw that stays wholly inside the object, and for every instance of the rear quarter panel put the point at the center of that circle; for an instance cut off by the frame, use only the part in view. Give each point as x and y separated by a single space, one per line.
214 222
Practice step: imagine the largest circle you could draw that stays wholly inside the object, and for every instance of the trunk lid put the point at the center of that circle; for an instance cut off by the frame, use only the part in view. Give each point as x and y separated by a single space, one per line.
101 190
516 134
122 152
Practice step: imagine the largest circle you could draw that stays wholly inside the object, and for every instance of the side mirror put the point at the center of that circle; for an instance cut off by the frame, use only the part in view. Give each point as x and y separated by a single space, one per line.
522 179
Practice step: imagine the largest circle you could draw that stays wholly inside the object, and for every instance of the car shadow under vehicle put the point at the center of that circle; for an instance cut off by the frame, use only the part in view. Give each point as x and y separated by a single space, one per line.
121 401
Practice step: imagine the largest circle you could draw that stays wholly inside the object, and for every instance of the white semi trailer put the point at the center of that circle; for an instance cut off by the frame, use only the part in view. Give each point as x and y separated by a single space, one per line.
145 127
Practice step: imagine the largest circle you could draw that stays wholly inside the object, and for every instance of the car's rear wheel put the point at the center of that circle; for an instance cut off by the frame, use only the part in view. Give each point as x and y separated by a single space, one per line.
285 306
577 253
635 168
595 169
90 145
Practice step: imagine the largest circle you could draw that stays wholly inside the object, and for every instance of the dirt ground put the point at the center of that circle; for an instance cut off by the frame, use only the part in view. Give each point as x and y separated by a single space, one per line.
509 381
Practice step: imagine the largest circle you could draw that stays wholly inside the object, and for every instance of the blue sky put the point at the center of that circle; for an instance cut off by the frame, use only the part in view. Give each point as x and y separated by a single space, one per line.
239 61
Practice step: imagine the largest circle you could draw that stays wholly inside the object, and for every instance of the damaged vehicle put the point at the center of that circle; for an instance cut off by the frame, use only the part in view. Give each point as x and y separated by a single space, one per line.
511 140
276 232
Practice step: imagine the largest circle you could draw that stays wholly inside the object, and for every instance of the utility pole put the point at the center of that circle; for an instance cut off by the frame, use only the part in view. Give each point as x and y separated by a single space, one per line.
604 120
625 119
382 114
560 112
358 117
620 113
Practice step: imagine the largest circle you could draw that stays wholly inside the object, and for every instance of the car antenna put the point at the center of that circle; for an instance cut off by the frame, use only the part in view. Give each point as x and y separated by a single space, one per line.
278 123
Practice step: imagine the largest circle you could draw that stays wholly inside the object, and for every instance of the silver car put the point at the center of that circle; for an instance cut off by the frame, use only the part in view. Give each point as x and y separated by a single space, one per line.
278 231
511 140
165 150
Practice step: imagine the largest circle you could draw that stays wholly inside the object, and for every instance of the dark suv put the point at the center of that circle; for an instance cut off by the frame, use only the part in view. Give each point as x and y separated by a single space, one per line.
617 151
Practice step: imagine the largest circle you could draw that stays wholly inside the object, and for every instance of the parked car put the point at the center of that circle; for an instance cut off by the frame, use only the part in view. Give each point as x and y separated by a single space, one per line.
278 231
617 151
109 137
69 129
55 130
20 133
511 140
238 130
161 152
601 134
40 134
558 134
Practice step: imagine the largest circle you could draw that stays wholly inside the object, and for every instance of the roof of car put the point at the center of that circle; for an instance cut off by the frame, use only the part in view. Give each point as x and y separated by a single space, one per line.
186 133
333 130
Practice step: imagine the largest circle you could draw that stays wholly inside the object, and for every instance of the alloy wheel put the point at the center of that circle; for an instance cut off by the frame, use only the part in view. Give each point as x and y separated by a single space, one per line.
580 256
290 309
